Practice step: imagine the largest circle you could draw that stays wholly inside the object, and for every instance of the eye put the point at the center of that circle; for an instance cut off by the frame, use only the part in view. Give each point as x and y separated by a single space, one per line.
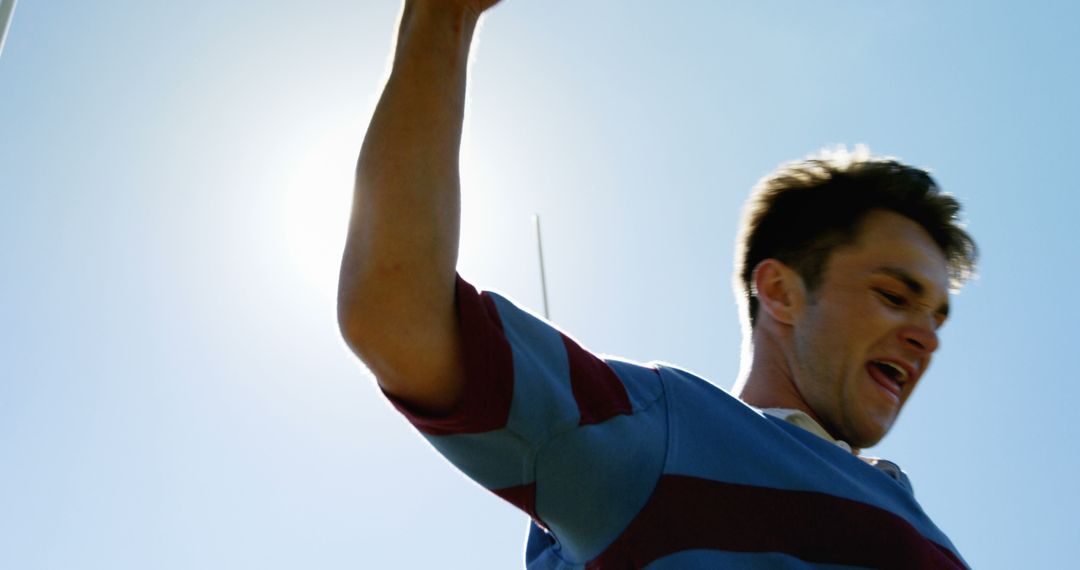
892 298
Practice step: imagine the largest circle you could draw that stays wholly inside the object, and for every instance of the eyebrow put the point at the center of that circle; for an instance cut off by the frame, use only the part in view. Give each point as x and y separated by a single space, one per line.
913 284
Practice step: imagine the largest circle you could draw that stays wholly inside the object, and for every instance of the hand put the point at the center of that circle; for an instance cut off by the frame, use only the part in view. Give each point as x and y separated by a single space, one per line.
477 7
482 5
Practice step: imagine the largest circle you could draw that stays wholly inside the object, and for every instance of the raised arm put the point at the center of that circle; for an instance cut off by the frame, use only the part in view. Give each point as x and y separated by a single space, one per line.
396 288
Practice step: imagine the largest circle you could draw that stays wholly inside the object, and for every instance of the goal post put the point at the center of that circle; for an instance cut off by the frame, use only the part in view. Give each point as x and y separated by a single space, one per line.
7 8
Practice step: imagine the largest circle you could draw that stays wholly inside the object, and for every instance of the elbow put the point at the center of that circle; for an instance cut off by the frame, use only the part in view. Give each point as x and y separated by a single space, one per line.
363 321
356 303
351 319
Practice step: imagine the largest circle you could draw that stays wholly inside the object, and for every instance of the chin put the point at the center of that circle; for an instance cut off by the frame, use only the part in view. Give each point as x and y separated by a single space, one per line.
864 443
869 436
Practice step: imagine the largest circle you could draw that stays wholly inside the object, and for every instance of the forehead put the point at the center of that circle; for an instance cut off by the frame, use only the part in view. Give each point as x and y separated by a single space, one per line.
889 240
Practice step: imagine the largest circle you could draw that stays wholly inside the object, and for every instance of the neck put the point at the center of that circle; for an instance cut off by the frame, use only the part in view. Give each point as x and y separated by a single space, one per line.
767 380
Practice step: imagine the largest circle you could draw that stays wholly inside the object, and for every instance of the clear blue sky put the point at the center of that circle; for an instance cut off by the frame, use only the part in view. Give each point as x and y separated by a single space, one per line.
176 178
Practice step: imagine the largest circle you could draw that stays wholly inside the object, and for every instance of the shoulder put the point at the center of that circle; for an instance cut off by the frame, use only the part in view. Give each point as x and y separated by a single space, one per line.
683 382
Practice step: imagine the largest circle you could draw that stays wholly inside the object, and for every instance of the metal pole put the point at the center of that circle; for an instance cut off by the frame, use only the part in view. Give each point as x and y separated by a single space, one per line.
540 252
7 7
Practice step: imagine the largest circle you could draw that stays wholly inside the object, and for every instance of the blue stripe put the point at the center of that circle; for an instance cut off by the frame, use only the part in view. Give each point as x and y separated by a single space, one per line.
591 482
495 459
756 451
642 383
543 403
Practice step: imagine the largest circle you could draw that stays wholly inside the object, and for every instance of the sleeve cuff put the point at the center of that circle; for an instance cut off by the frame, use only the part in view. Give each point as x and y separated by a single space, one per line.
489 371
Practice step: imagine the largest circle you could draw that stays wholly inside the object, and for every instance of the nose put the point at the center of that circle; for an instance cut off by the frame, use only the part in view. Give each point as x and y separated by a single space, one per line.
921 336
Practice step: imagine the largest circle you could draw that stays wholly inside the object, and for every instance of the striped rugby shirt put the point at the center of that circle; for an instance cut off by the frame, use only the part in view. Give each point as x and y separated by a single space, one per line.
622 465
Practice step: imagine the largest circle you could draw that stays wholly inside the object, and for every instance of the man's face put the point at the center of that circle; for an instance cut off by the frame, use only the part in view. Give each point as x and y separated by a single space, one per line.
867 332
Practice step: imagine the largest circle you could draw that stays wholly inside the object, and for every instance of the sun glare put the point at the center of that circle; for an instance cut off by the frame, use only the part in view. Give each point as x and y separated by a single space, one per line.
316 206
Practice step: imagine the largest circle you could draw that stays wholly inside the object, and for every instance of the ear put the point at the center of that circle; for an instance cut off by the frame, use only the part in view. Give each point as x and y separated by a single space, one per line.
780 291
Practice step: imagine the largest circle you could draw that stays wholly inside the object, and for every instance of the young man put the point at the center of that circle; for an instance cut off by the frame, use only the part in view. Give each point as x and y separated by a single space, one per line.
845 266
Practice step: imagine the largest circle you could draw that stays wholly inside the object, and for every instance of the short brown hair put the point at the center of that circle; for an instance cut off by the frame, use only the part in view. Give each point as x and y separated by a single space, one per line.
803 211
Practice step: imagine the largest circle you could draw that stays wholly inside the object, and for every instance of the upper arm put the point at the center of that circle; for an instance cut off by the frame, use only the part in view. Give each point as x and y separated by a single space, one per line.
396 289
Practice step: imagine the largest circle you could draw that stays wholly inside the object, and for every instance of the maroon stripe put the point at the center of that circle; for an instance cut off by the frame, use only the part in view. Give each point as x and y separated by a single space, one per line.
489 371
598 392
688 513
521 496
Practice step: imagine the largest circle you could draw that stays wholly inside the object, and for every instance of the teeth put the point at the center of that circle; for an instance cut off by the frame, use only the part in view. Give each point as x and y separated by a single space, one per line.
901 374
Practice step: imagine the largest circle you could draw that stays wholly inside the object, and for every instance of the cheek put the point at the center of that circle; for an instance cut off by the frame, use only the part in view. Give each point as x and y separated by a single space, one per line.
840 335
866 326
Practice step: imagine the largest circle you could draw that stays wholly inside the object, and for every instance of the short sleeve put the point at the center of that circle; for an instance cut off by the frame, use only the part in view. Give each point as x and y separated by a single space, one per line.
545 424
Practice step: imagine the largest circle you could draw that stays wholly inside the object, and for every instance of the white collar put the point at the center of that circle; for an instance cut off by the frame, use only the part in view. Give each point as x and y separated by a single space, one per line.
802 419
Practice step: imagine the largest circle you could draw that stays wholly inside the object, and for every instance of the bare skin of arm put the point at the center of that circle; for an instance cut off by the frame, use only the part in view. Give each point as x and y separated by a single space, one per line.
396 288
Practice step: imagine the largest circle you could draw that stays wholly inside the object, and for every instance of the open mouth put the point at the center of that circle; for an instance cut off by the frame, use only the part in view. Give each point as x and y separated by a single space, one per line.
891 376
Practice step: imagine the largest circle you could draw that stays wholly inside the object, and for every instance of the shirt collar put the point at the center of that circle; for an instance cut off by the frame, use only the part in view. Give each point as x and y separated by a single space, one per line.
802 419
